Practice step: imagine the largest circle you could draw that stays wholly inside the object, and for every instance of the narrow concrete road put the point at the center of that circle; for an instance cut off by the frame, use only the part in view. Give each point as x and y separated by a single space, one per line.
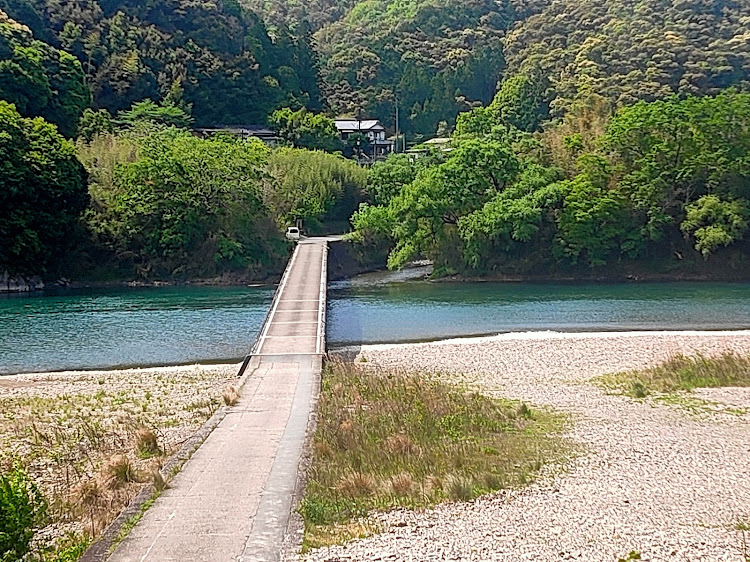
233 498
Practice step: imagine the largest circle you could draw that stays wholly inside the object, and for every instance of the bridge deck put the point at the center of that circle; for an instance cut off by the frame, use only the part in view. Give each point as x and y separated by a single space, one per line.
296 322
233 498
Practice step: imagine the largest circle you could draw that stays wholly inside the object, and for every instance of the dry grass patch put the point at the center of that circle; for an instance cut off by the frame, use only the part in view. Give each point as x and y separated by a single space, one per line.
386 440
147 443
681 373
231 396
90 440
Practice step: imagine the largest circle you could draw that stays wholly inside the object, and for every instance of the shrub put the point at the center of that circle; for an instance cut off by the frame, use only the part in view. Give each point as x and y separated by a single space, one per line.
22 508
120 471
146 443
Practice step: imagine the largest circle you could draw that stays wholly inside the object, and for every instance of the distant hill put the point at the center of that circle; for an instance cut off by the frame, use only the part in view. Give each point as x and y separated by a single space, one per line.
440 56
238 60
629 51
220 54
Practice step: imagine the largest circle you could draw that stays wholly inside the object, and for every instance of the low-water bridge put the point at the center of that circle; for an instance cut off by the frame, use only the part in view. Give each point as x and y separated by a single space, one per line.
233 499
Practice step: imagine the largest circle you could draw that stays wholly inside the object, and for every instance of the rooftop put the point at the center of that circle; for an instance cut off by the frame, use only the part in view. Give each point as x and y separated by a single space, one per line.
355 125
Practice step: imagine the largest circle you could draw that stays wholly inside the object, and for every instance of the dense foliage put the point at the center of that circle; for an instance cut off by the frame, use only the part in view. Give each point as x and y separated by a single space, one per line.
304 129
39 79
232 70
42 193
585 133
664 177
22 509
439 57
431 56
630 51
176 205
319 188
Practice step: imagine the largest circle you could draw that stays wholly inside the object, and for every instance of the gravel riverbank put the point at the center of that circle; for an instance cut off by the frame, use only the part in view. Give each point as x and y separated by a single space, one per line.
669 481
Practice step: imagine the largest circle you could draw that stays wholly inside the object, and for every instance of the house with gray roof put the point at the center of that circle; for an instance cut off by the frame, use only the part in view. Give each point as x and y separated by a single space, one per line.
377 146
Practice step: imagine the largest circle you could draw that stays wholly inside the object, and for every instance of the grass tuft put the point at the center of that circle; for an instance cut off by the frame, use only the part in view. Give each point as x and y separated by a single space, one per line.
356 485
120 471
681 373
402 484
386 440
147 444
231 396
458 488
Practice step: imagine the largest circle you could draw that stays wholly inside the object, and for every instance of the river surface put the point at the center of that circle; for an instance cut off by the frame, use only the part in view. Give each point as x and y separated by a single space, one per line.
173 325
371 312
128 327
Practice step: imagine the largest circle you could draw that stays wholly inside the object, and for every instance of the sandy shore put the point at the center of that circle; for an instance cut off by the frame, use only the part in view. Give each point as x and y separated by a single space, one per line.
670 481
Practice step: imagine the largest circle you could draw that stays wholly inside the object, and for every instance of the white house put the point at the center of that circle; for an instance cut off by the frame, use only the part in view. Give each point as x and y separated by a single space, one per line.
377 145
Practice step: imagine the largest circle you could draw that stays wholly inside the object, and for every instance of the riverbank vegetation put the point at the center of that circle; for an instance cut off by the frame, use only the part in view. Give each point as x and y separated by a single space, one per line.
386 440
659 186
681 373
618 151
76 448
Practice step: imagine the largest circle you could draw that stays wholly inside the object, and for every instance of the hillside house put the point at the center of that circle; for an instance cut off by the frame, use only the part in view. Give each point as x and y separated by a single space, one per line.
259 132
377 145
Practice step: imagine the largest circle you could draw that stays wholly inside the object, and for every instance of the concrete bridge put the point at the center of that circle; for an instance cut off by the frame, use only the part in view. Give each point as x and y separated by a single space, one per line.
233 499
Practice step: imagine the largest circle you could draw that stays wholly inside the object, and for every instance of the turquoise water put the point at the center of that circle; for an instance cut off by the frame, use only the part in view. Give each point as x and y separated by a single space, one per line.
372 313
153 326
172 325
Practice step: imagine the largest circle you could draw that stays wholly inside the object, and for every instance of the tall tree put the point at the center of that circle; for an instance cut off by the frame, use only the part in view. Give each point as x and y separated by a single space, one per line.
42 193
39 79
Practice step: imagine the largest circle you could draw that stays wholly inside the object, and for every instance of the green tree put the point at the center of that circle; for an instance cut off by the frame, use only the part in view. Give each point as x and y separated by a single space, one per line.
94 123
146 111
715 222
313 186
520 101
595 223
42 193
304 129
39 79
424 217
178 205
386 179
674 151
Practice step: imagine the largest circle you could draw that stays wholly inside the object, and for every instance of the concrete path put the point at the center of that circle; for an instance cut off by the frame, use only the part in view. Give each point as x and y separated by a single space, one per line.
233 498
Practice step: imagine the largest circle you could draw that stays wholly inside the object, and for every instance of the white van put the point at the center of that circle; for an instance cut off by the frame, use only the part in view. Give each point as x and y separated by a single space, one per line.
292 233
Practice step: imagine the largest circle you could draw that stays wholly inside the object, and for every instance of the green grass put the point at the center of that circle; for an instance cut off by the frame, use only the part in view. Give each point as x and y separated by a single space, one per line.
388 440
682 373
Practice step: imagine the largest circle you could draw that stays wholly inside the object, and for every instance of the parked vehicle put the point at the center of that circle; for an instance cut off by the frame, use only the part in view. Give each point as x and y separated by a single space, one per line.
292 233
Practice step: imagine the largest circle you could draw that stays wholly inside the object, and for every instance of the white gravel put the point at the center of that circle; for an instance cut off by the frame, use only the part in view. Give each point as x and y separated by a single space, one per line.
668 482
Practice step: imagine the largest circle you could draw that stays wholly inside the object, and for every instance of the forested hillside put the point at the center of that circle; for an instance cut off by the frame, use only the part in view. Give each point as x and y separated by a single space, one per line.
440 57
221 55
585 133
435 57
629 51
292 13
39 79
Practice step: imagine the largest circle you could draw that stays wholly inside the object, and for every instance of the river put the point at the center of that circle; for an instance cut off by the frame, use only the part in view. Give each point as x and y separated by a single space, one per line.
173 325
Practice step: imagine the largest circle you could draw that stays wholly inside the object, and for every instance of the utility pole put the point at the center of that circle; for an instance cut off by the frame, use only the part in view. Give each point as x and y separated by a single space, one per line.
397 135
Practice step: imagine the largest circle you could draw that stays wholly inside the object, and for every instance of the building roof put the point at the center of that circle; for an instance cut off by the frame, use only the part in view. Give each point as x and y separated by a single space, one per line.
354 125
250 130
